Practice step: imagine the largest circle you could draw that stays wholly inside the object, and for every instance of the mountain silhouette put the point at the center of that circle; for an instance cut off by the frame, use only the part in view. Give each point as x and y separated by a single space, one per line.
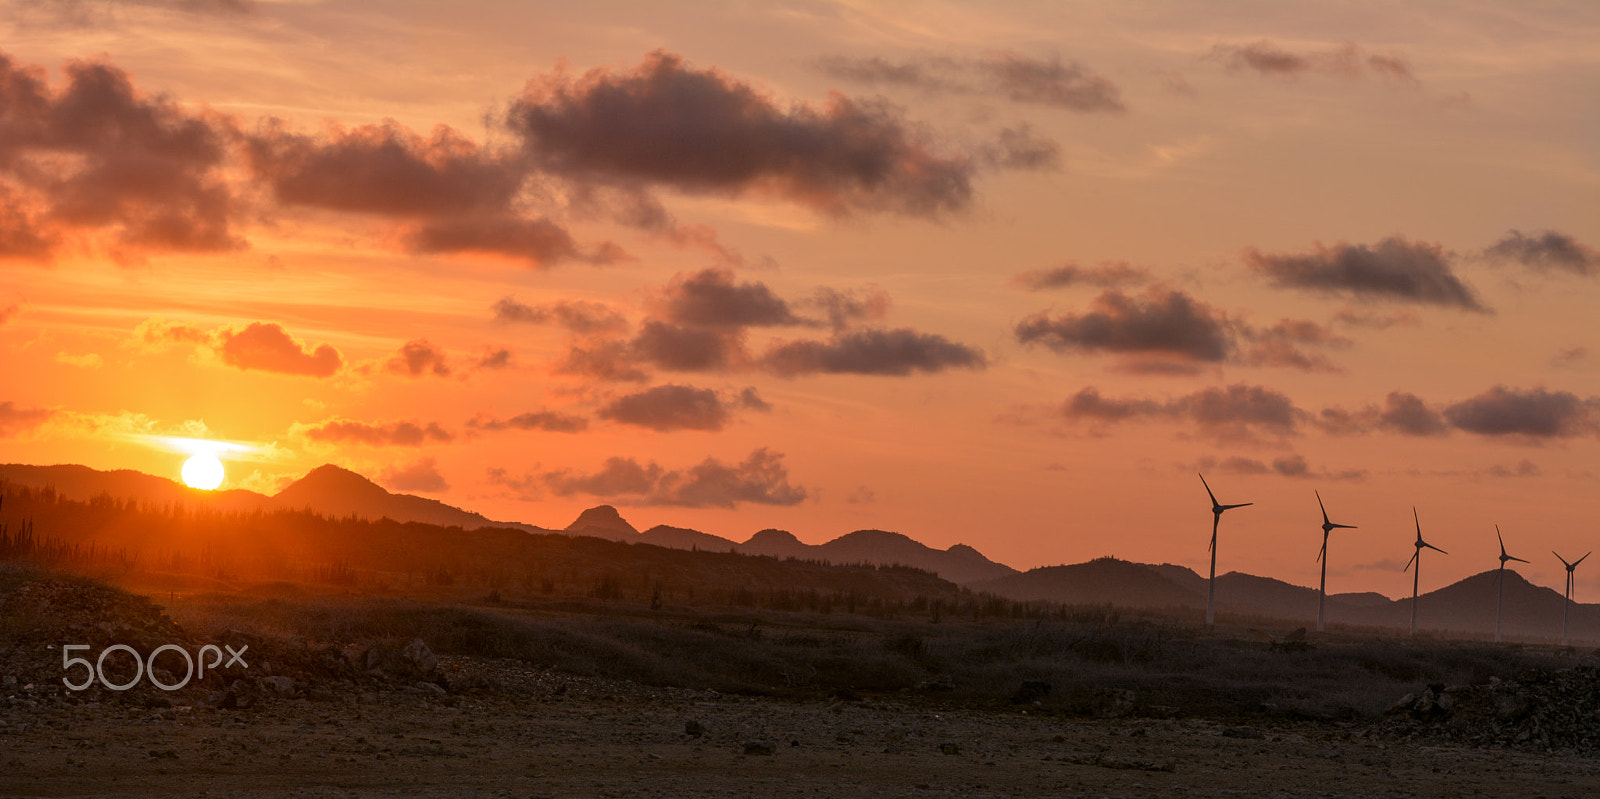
602 521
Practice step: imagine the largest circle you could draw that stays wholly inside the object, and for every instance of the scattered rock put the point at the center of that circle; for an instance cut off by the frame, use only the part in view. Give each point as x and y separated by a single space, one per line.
1243 732
417 655
950 748
693 728
278 686
767 748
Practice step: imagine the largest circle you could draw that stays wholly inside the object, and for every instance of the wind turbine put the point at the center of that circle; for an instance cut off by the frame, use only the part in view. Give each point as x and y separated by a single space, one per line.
1327 527
1565 608
1416 576
1216 516
1501 581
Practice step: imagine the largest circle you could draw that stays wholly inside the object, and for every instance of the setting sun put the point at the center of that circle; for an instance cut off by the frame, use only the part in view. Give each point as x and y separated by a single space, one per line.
202 471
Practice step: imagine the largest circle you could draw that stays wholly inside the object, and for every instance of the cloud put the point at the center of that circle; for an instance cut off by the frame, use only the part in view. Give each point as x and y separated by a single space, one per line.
548 421
666 124
1546 252
525 488
1525 468
348 431
268 348
1407 413
1376 321
1569 356
1162 324
760 479
677 348
383 169
1105 275
1394 269
710 297
600 359
896 352
418 358
1019 148
159 331
494 359
668 408
578 316
1347 61
1050 81
96 162
844 308
421 475
1279 345
8 311
15 420
1292 465
1237 412
1533 413
539 242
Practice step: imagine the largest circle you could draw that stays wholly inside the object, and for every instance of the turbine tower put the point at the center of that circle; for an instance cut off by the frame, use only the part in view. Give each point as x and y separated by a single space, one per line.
1216 516
1322 589
1501 581
1567 606
1416 576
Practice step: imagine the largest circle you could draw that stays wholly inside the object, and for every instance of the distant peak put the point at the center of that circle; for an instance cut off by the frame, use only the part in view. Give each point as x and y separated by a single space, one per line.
604 517
330 477
773 535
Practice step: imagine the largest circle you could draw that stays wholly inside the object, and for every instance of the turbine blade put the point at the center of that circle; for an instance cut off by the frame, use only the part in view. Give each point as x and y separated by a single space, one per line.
1519 560
1208 489
1413 560
1322 506
1324 548
1580 560
1345 526
1502 541
1563 560
1417 520
1434 548
1240 505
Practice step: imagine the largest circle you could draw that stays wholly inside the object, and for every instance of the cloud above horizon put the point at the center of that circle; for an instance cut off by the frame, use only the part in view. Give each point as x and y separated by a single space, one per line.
350 431
700 131
760 479
1048 81
1549 251
1266 58
1393 269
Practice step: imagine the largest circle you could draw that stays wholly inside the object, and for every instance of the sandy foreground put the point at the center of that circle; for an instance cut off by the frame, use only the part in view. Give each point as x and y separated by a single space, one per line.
548 735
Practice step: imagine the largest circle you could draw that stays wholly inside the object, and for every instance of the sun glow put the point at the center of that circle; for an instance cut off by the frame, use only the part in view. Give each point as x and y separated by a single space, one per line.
202 471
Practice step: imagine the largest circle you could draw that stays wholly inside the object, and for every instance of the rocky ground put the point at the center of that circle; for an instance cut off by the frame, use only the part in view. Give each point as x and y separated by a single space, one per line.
394 719
527 733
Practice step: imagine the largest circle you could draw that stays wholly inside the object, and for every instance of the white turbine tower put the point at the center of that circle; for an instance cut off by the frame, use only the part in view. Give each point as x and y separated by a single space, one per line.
1567 606
1322 588
1500 597
1416 576
1216 516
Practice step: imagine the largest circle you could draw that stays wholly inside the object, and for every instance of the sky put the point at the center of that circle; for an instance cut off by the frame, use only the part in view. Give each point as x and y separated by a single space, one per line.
1009 275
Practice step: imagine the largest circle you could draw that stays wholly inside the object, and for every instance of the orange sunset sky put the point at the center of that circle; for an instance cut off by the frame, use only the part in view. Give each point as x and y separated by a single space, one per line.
1003 274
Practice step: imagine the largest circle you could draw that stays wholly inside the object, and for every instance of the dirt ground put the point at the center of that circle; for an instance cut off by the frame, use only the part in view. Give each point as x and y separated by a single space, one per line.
540 734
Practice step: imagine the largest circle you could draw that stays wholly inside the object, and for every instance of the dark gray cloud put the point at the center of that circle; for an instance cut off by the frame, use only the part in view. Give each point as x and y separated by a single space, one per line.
269 348
97 162
383 169
677 348
1105 275
664 123
1570 356
422 475
1047 81
1524 468
418 358
1164 323
896 352
15 420
713 298
760 479
1236 412
668 408
494 359
548 421
1402 412
348 431
1020 148
537 241
1346 61
1549 251
1394 269
578 316
1534 413
750 399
